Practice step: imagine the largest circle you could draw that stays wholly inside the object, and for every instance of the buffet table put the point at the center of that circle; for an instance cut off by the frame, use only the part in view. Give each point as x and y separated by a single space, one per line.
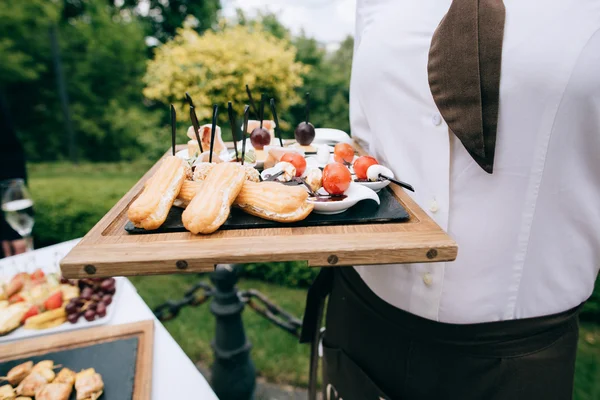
174 375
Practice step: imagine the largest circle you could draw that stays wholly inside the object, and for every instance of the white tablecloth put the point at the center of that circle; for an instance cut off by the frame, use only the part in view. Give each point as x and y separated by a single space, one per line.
174 376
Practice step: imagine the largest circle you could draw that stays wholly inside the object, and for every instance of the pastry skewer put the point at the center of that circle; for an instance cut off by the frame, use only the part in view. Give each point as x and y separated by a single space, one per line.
277 129
233 125
245 128
195 122
212 131
18 373
173 128
261 117
251 101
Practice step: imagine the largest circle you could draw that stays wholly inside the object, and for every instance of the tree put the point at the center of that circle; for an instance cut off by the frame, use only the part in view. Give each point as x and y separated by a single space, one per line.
215 67
164 17
103 78
23 30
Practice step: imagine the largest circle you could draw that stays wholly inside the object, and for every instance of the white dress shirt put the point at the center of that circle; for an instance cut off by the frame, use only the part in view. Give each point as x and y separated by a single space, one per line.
529 234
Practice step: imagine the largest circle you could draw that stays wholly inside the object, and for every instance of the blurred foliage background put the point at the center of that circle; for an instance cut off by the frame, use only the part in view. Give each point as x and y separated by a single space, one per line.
119 69
122 69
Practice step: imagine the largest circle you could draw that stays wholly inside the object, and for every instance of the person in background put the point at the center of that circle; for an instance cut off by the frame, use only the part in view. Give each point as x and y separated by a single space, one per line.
12 166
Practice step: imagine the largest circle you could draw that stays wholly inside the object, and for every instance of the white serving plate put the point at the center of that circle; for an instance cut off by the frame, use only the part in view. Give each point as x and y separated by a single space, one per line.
375 186
21 333
183 154
312 159
331 136
355 194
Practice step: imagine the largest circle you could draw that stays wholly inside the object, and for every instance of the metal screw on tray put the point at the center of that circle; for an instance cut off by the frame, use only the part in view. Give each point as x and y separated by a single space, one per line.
233 372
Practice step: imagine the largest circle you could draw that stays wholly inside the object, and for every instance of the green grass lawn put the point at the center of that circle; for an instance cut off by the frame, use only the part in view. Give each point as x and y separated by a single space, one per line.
70 199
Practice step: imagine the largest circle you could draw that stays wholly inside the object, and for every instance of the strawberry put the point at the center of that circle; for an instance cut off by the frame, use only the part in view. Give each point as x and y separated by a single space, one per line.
34 310
54 301
38 275
17 283
15 298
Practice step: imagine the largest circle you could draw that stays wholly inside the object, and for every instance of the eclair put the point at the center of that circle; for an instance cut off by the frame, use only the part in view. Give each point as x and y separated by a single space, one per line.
151 208
188 191
210 207
274 201
191 188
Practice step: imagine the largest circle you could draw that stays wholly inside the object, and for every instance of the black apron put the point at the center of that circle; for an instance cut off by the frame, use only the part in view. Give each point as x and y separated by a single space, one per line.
373 350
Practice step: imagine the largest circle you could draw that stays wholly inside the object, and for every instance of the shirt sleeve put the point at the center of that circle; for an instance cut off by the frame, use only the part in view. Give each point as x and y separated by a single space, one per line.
358 119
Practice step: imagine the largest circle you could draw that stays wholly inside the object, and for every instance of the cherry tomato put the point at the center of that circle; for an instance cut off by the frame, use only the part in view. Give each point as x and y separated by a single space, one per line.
297 161
362 164
336 178
343 152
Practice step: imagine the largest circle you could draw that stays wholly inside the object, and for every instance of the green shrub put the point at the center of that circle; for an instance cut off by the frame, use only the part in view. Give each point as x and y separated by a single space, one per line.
292 274
71 199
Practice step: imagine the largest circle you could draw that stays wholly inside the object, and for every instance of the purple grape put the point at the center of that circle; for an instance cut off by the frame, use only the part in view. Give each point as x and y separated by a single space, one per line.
260 137
86 293
108 284
71 308
107 299
304 133
73 318
96 297
92 306
101 310
89 315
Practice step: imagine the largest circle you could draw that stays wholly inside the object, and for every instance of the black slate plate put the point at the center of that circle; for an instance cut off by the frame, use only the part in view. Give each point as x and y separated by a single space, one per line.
115 361
365 212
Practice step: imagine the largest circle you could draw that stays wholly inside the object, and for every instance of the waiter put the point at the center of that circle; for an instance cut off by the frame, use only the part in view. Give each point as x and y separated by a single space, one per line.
491 110
12 165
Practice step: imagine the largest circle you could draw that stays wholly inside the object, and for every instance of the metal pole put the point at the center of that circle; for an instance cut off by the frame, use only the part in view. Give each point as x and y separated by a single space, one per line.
233 373
62 92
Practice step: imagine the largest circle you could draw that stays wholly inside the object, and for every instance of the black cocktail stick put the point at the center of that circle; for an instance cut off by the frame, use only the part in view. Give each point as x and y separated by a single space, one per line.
213 129
194 119
251 100
274 176
233 128
310 191
189 99
262 109
277 129
173 127
397 182
245 128
307 106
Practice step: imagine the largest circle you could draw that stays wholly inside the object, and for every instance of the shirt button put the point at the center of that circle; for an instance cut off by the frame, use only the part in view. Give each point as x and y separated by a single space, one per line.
436 119
433 206
428 279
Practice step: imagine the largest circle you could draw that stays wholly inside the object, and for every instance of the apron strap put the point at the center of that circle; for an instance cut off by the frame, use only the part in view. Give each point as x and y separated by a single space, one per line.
315 300
311 324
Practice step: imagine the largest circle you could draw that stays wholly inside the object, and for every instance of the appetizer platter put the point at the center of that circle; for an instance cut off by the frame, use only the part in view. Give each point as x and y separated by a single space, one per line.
76 366
204 202
41 303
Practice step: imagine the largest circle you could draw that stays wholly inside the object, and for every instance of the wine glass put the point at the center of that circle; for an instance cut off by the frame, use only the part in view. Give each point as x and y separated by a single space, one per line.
17 206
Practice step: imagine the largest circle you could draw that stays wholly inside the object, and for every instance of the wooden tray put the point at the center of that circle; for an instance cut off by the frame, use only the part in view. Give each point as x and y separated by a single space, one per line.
122 354
108 250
